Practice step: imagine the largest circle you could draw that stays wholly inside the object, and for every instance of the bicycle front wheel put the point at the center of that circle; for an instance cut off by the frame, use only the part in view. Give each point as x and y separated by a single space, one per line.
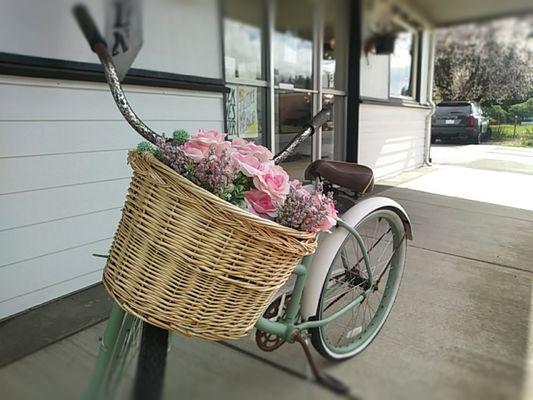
151 364
384 238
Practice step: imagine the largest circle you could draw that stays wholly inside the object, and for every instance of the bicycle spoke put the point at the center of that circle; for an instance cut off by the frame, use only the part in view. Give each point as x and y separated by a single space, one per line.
349 278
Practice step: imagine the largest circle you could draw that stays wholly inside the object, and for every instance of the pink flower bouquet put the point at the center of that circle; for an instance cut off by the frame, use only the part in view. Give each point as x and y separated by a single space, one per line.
244 174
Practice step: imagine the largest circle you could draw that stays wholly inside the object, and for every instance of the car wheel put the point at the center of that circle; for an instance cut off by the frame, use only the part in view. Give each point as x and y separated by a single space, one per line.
476 139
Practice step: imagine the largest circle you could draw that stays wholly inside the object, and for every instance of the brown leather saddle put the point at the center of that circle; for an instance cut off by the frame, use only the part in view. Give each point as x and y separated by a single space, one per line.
351 176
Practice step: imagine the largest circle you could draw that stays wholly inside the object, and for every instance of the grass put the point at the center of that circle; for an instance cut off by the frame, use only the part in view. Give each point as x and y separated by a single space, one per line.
523 137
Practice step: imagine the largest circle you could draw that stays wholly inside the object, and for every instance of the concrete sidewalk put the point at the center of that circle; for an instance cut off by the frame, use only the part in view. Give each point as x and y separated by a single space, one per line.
459 329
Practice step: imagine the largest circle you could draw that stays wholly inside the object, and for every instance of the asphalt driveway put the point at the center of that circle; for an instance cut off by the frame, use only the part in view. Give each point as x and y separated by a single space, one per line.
461 327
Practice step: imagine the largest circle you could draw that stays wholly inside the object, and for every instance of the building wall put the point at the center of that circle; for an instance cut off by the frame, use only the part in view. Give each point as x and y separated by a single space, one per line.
392 134
391 139
174 32
63 144
63 177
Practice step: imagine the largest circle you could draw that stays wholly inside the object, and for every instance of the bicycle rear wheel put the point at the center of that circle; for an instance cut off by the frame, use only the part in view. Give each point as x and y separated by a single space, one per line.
384 237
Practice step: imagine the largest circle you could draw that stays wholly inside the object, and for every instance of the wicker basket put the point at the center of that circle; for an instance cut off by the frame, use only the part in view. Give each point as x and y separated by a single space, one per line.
185 260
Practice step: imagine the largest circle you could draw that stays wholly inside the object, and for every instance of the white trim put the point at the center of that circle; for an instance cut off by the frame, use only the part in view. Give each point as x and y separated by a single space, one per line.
98 86
270 111
246 82
318 52
295 90
414 63
432 36
334 92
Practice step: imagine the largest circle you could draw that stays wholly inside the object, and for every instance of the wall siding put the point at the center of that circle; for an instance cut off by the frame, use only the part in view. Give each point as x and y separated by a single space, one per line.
174 32
391 139
64 176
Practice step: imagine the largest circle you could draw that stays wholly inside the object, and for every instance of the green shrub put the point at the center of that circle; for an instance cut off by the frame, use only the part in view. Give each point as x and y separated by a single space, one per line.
522 110
497 114
179 137
526 142
148 147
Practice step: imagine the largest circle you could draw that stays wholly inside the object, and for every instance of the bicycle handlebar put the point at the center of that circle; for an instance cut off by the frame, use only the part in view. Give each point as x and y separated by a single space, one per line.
322 117
99 46
309 129
87 26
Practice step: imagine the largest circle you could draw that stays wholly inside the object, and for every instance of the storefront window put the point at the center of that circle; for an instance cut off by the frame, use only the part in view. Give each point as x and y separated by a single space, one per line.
243 39
293 111
335 45
271 108
328 131
244 112
401 66
293 44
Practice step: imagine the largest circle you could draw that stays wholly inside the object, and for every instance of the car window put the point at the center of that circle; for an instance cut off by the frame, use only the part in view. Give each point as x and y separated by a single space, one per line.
452 109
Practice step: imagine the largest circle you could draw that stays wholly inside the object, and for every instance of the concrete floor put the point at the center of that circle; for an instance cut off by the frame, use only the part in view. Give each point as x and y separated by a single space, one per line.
460 329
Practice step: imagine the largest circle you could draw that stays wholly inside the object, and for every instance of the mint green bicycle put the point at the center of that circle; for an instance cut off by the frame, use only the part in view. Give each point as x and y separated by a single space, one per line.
342 293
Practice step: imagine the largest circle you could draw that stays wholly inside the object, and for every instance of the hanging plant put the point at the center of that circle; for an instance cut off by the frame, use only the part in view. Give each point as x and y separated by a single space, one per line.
381 32
384 43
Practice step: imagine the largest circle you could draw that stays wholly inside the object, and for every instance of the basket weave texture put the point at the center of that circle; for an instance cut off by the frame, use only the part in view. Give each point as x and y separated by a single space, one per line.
187 261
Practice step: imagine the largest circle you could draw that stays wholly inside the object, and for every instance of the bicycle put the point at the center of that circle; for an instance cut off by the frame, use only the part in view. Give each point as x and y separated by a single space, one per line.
342 295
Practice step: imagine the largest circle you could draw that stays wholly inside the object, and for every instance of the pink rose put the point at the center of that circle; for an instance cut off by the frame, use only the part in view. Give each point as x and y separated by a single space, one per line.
330 220
262 153
249 148
241 143
275 182
198 146
194 150
221 147
249 165
260 203
295 184
209 137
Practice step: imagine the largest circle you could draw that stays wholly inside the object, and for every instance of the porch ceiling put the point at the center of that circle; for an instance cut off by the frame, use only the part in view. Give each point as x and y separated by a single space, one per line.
454 12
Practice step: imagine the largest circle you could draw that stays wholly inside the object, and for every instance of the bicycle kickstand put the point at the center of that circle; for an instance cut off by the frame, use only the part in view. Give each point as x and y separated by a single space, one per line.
323 378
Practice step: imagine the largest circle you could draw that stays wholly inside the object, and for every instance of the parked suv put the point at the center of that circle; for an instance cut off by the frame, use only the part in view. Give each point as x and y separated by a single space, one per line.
459 120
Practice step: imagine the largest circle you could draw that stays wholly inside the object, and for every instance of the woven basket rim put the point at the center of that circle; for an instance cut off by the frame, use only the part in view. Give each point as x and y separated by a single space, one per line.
151 159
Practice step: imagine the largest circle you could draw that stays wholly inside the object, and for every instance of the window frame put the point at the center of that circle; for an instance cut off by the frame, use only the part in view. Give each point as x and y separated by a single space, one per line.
260 84
316 90
414 70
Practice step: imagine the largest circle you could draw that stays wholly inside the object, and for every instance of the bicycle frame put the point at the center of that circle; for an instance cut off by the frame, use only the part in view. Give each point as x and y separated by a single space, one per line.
288 326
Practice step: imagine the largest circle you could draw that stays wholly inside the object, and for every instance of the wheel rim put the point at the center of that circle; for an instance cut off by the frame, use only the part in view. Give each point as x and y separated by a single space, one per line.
384 237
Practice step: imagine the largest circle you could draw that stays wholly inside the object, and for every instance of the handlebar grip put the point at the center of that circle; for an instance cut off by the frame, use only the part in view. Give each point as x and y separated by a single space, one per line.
88 26
321 118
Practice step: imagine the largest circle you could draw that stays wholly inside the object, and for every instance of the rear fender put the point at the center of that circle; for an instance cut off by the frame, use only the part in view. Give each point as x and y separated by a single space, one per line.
329 244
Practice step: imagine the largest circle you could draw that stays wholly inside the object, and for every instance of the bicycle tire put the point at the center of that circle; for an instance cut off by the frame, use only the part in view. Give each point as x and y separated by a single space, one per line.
151 365
362 339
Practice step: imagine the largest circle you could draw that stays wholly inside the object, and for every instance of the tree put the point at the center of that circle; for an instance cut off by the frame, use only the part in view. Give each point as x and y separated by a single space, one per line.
522 110
488 63
498 114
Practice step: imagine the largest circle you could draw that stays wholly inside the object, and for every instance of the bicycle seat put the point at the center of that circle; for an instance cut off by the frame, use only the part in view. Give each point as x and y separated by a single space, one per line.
355 177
